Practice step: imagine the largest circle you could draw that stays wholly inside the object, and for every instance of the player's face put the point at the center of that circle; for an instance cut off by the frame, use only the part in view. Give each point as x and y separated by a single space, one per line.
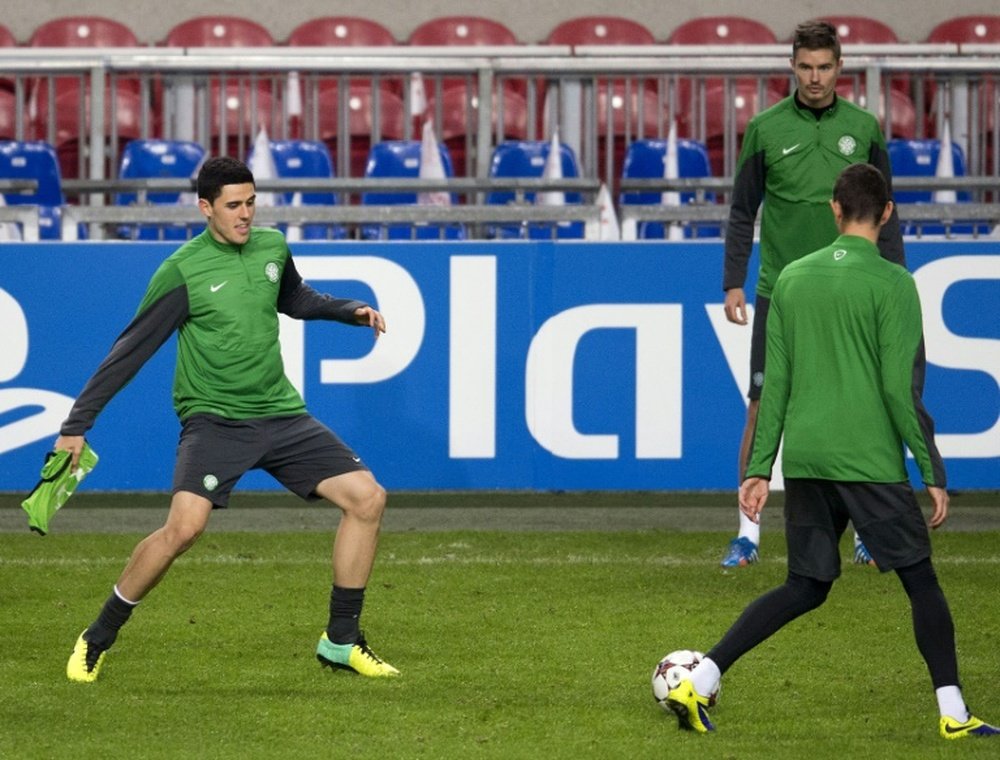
816 72
230 215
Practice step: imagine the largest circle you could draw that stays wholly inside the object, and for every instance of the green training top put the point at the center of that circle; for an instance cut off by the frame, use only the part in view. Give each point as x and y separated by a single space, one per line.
790 161
844 373
223 301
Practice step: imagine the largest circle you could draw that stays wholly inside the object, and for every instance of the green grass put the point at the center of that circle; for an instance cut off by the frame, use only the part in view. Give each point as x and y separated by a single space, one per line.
511 645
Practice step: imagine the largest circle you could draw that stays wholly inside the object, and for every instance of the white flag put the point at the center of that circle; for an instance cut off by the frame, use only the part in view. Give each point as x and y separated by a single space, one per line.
294 232
945 166
671 170
418 95
263 167
8 230
552 170
431 167
609 219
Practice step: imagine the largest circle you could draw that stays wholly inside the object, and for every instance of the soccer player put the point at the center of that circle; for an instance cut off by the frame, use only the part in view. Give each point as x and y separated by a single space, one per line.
844 381
222 292
791 156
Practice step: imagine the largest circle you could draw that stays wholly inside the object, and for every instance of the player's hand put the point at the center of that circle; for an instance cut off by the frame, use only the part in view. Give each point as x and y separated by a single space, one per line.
736 306
74 445
366 315
753 497
939 498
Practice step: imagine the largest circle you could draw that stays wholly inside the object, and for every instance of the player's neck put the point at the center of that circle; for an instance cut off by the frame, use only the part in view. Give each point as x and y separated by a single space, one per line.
861 229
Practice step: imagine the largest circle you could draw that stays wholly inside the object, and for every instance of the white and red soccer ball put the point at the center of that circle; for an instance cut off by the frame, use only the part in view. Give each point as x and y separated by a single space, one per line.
674 668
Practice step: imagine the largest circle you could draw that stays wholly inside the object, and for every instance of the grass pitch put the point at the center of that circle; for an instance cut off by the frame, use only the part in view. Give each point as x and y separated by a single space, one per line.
511 645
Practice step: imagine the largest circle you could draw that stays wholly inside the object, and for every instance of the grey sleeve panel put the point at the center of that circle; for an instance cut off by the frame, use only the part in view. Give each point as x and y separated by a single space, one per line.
890 237
300 301
142 338
748 193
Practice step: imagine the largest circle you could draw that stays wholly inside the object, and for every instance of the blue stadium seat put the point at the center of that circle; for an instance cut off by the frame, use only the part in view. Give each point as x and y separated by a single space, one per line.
919 158
304 159
645 160
400 159
526 158
35 160
158 159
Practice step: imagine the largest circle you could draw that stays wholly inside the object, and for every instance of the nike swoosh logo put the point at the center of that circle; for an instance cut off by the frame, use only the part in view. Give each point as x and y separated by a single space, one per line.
839 254
954 730
220 286
786 151
356 459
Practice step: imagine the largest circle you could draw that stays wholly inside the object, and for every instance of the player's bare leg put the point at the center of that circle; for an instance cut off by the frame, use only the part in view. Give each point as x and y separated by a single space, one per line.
742 550
362 501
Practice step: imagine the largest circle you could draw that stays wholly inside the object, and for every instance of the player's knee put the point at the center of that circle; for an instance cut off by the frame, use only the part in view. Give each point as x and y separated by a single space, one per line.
182 537
809 592
368 504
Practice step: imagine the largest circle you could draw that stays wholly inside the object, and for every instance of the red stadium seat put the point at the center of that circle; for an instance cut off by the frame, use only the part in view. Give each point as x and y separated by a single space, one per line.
7 39
345 31
451 31
83 31
861 30
218 31
243 112
903 114
972 29
743 101
122 113
341 31
459 124
723 30
600 30
8 115
364 104
462 30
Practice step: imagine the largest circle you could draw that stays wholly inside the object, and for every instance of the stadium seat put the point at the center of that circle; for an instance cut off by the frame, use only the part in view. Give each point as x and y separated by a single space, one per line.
971 29
7 40
723 30
365 106
341 31
862 30
123 109
158 159
600 30
903 114
919 158
400 159
345 31
83 31
8 115
645 159
526 158
450 31
35 160
459 123
462 30
246 111
306 159
743 100
218 31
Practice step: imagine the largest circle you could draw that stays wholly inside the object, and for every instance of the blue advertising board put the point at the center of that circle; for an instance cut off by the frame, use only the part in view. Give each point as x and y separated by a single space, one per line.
506 365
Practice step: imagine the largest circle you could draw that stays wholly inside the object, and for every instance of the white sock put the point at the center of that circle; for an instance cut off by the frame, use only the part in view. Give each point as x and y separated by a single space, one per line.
950 703
749 529
705 677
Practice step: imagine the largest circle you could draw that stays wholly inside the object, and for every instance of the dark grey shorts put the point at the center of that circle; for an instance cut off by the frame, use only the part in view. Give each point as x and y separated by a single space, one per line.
885 515
758 346
299 452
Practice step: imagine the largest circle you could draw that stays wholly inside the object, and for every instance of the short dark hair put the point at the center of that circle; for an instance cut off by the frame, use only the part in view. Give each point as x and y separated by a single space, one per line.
816 35
862 193
219 171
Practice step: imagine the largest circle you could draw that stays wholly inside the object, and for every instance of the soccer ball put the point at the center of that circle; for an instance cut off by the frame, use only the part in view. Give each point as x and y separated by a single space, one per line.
672 669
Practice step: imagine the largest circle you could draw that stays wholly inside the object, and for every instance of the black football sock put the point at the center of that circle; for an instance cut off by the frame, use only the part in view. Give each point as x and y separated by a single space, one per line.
932 623
345 610
114 615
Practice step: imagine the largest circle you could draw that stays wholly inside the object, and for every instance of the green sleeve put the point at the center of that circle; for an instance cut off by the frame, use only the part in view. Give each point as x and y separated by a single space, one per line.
774 398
